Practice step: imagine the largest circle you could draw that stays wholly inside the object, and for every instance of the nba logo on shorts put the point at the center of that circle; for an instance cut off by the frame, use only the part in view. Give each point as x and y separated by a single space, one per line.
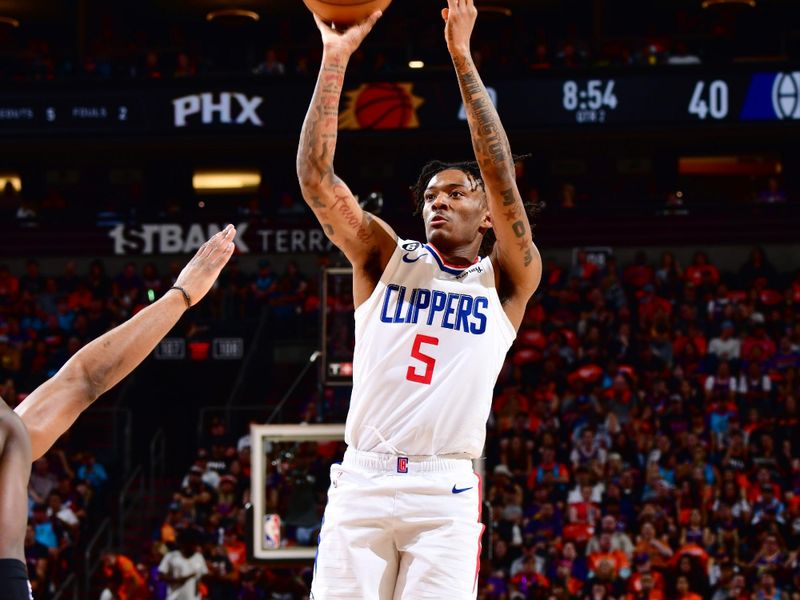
402 464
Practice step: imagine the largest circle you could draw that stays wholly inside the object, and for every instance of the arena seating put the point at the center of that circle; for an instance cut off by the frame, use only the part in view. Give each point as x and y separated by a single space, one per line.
642 444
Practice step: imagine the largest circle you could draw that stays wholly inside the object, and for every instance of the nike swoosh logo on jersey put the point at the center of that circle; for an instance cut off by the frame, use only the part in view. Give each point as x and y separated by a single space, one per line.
459 490
413 260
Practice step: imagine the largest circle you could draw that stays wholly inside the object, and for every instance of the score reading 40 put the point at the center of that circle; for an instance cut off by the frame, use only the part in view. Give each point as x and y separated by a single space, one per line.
709 100
591 102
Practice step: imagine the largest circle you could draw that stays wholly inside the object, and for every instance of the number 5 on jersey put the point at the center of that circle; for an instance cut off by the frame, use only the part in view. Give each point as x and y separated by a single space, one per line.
428 361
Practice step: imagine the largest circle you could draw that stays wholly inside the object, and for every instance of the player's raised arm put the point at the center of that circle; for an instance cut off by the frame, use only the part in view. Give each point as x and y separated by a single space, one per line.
514 252
53 407
361 236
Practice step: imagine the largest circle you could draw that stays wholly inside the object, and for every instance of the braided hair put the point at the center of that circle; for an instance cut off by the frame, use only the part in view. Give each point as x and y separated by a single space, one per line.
473 172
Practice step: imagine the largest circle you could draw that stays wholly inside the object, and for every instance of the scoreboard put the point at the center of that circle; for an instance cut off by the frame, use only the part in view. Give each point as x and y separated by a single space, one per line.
657 98
668 98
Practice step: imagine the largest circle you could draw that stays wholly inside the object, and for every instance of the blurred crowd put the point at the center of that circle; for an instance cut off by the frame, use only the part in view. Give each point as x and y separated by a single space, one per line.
643 437
531 40
64 496
46 318
641 446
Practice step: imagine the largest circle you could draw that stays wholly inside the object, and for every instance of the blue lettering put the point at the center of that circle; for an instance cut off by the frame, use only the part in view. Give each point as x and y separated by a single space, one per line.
399 307
459 312
449 311
464 310
437 305
410 309
423 301
389 289
481 327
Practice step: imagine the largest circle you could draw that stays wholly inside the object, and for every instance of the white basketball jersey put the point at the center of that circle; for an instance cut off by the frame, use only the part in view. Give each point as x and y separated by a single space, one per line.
430 342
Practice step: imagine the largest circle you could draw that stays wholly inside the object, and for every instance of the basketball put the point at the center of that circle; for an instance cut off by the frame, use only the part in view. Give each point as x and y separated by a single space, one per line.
345 12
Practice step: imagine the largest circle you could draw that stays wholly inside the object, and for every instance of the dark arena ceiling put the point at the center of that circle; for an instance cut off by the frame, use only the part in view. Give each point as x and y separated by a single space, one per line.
50 10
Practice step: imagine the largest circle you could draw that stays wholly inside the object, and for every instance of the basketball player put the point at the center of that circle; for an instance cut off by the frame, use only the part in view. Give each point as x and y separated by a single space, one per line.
28 432
433 324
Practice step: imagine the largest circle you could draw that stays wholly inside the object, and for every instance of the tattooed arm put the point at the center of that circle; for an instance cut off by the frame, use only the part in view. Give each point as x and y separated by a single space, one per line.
365 239
516 256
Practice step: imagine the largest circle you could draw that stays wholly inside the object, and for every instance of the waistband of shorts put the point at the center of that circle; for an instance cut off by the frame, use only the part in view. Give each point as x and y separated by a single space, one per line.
392 463
11 568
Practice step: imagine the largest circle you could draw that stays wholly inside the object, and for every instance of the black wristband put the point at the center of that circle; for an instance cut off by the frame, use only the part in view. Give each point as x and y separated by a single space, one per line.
185 295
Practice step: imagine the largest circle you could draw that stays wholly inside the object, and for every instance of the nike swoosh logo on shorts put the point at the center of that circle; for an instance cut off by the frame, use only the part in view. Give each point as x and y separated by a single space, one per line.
459 490
406 259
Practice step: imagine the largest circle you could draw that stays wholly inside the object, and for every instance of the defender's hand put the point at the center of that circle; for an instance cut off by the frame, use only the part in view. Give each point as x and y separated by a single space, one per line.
202 271
459 17
349 40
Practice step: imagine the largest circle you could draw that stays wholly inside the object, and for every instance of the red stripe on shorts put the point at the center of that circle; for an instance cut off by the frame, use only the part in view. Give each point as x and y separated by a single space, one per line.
483 527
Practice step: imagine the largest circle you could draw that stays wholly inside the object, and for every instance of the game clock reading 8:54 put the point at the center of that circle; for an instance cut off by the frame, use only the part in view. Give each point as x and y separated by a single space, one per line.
590 102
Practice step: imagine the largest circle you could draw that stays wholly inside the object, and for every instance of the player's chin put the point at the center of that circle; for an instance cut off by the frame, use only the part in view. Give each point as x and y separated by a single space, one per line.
437 236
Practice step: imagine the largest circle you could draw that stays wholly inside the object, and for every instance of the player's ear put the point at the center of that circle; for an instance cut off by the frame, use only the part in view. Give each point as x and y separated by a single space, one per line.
486 223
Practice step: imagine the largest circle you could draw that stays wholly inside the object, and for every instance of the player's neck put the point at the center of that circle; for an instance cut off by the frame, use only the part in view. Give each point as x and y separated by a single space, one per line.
463 256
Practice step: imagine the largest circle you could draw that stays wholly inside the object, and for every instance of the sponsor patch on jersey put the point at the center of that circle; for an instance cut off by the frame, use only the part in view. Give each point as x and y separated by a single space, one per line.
402 464
411 246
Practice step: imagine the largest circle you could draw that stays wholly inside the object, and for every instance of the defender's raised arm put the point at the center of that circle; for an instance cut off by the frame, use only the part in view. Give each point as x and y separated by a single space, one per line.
53 407
515 253
361 236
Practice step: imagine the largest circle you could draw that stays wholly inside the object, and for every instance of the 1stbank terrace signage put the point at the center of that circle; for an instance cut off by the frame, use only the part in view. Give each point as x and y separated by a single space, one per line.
174 238
223 108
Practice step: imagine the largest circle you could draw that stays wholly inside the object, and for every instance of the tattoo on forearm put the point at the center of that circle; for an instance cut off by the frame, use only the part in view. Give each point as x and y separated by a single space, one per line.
519 227
320 128
328 229
342 203
488 136
492 149
316 202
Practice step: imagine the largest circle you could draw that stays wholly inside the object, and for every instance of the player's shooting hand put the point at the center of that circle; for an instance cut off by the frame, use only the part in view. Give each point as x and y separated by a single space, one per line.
459 17
350 39
202 271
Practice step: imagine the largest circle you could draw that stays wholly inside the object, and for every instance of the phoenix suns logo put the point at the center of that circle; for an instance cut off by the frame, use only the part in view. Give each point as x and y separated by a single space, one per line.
381 106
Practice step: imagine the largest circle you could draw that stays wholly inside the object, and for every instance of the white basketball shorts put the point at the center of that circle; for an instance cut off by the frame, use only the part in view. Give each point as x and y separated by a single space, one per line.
398 528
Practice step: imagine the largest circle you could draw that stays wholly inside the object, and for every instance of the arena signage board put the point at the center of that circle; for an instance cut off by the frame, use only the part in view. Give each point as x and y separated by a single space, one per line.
224 108
686 96
174 238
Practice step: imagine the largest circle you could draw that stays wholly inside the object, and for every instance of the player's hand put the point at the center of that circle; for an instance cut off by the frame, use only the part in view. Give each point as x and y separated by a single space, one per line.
347 40
459 18
202 271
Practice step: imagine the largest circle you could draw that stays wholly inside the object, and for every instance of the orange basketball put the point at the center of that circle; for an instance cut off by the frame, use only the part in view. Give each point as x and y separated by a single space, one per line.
345 12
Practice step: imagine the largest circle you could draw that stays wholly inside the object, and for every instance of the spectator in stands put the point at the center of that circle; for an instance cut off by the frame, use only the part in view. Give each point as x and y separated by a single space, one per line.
757 346
265 282
726 346
56 508
657 549
222 579
701 272
183 569
669 276
123 580
37 559
42 481
567 197
184 66
757 271
271 65
92 471
619 540
50 532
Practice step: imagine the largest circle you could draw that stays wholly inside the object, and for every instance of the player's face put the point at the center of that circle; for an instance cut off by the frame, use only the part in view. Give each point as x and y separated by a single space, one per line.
455 210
